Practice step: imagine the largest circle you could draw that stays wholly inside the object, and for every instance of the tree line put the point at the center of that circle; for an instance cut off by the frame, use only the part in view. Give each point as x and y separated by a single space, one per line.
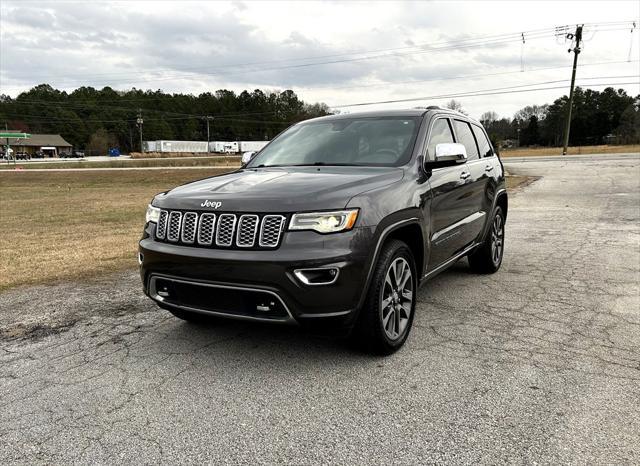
607 117
88 116
94 119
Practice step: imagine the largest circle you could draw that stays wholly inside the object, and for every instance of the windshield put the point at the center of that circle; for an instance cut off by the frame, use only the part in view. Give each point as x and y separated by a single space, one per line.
383 141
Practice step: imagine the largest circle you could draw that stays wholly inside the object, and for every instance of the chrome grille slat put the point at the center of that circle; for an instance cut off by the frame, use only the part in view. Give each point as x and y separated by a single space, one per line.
247 229
225 230
221 230
270 230
161 229
189 224
173 230
206 228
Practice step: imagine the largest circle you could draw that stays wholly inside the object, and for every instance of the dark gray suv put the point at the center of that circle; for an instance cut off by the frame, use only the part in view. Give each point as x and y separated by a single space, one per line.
334 224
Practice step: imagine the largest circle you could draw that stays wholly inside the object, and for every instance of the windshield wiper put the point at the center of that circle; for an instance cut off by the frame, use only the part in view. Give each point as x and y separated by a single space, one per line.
324 164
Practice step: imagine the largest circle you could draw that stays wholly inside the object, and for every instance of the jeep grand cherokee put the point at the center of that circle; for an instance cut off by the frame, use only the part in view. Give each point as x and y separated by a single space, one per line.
336 222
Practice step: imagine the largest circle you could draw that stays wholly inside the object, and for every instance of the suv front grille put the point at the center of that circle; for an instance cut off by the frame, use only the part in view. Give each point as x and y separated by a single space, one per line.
223 230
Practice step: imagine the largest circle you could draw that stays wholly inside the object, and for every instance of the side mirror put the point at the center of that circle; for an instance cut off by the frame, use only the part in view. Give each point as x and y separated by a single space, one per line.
447 154
246 157
451 152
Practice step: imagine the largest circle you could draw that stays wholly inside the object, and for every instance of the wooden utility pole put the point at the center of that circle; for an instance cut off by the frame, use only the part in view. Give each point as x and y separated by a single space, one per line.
576 51
140 122
208 119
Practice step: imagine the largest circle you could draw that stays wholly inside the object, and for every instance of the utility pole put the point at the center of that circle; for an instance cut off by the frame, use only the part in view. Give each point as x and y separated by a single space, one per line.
576 51
140 122
208 119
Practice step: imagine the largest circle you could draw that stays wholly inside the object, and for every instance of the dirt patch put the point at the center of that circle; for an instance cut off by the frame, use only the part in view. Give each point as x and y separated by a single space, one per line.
517 183
34 332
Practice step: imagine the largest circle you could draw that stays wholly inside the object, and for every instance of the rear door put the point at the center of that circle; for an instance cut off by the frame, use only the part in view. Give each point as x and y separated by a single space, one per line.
447 209
491 166
472 191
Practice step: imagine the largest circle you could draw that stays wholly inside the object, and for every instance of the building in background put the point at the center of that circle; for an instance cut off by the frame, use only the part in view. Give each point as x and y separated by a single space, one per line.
48 145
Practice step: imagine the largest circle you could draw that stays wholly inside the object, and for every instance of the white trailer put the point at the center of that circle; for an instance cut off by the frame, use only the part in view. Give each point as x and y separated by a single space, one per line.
183 146
252 146
217 146
150 146
231 147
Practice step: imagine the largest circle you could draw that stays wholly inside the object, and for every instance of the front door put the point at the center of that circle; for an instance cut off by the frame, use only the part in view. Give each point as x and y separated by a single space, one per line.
447 206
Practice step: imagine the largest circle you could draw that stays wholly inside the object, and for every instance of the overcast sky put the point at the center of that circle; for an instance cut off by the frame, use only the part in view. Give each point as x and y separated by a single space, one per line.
340 53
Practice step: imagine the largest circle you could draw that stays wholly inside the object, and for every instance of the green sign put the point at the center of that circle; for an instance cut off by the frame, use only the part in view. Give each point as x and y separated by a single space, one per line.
15 135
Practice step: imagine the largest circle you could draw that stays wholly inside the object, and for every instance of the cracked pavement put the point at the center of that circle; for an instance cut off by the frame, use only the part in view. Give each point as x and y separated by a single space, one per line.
539 363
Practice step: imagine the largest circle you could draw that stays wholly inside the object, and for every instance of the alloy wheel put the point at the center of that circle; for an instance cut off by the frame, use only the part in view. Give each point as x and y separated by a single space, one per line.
397 299
497 239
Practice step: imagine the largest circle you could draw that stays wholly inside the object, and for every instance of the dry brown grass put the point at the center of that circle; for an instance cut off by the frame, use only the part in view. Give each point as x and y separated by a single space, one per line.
525 151
73 225
59 225
164 155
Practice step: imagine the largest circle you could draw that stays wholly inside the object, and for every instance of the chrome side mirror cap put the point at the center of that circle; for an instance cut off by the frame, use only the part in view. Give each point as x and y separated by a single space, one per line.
246 157
450 152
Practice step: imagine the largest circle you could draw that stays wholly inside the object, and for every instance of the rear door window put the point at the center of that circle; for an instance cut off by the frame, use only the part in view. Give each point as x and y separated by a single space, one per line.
440 133
465 137
483 142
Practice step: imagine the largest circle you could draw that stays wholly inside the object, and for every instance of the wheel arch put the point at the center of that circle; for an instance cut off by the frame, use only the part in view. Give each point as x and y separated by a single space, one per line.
503 201
407 229
411 234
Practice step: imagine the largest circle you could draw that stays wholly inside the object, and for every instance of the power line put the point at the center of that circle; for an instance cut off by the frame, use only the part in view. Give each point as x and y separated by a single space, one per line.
477 94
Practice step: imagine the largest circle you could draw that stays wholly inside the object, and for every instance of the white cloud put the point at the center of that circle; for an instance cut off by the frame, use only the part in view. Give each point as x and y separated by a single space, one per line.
197 47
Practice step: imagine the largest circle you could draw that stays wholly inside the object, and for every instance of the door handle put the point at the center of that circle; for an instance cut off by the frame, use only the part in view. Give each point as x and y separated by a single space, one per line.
465 175
488 168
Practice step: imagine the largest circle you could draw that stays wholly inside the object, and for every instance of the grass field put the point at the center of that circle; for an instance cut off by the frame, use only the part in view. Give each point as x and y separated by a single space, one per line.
70 225
526 151
141 163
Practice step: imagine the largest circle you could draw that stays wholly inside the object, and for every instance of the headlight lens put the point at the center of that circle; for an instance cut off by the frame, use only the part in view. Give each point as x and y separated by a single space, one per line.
153 214
325 222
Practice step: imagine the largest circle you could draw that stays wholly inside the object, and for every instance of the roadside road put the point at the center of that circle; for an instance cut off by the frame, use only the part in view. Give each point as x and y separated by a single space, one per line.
539 363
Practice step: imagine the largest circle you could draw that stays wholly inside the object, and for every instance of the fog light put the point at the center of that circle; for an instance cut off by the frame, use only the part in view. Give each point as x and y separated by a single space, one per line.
318 276
140 258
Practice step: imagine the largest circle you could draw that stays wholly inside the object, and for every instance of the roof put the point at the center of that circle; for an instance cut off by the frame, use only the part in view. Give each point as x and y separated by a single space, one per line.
410 112
373 114
38 140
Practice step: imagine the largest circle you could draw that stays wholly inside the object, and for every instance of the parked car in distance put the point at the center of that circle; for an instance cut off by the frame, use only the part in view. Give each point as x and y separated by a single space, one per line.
22 156
37 155
334 224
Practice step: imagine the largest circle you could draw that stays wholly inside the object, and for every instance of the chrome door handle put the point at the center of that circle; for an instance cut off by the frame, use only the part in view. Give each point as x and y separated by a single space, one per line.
465 175
488 168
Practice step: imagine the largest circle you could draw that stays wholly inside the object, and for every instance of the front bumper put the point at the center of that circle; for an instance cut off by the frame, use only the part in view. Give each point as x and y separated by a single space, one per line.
267 273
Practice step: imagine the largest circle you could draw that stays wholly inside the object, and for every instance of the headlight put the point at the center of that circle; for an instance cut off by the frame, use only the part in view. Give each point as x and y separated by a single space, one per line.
153 214
324 222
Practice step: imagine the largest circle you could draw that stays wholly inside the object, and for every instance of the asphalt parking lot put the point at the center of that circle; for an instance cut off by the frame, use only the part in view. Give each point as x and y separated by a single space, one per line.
537 363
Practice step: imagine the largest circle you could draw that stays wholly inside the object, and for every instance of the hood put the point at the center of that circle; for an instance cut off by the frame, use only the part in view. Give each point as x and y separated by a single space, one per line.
279 189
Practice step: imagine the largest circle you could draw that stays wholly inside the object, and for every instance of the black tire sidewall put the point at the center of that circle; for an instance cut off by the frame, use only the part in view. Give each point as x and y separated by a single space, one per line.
399 250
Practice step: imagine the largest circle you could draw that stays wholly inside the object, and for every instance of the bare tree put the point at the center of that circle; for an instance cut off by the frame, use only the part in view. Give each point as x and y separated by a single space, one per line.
487 118
455 105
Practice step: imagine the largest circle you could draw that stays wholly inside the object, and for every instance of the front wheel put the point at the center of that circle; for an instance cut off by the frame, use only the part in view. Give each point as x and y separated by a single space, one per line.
387 315
487 258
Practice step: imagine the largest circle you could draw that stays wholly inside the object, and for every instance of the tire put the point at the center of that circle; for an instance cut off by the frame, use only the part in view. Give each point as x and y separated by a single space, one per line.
386 318
487 258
